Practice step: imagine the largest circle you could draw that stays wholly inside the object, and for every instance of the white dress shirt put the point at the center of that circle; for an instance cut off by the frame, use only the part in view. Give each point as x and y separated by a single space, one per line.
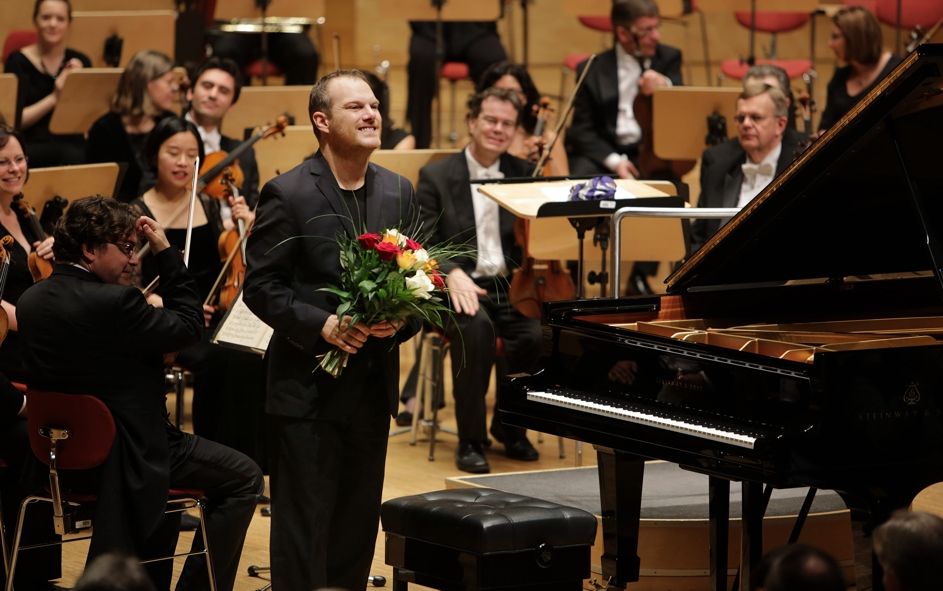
628 70
490 261
757 175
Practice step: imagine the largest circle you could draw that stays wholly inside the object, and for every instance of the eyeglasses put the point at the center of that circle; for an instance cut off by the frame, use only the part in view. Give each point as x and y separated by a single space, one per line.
127 248
645 32
742 117
16 161
495 122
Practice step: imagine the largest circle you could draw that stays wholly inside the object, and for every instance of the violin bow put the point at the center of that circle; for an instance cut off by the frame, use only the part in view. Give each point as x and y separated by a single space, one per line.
186 243
566 114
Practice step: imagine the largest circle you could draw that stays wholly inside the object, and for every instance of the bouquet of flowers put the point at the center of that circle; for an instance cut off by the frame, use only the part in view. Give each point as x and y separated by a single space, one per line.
387 276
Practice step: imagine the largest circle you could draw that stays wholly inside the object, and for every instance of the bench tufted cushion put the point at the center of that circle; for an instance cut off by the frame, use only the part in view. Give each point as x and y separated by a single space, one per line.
483 521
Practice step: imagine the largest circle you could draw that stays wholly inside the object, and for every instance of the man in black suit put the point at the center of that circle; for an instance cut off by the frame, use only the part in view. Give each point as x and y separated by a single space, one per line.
87 331
328 434
736 171
604 136
216 85
454 210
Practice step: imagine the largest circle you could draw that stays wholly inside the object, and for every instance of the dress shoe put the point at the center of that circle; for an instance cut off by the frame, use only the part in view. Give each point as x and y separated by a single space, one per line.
470 457
404 419
521 449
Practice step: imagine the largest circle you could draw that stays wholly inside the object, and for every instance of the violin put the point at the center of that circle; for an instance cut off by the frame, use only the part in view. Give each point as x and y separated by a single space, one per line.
231 246
39 267
542 110
4 271
209 181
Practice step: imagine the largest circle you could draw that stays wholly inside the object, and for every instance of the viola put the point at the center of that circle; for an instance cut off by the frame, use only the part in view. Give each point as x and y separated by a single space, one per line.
209 180
39 267
231 246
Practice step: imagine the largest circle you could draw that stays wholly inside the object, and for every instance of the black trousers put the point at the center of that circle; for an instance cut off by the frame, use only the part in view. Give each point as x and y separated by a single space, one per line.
479 54
326 484
232 483
472 351
293 53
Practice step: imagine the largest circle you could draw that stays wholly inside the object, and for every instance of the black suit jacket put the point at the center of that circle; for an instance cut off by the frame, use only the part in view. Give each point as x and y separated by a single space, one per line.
83 336
448 213
721 177
592 132
292 252
250 169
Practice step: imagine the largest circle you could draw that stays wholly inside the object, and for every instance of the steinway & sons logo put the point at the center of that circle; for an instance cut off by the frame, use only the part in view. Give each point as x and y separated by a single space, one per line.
911 408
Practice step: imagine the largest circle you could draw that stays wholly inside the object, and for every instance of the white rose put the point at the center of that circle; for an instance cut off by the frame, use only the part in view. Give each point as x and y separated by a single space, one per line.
420 285
400 238
422 257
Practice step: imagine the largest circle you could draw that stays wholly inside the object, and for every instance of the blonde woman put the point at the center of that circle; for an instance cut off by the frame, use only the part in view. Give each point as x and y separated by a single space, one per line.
147 91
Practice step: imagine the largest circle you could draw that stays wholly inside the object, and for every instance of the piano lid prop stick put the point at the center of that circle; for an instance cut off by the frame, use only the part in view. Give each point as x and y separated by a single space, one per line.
186 244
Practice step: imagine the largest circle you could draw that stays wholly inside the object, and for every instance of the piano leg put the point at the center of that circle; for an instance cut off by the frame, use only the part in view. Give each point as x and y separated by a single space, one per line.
751 542
719 510
620 492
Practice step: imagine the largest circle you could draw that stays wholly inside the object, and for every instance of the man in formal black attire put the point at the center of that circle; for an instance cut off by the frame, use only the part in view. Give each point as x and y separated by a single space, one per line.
604 136
87 331
736 171
329 435
454 210
216 85
475 43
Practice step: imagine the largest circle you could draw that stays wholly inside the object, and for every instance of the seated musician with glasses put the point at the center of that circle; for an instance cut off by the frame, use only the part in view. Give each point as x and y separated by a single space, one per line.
85 330
736 171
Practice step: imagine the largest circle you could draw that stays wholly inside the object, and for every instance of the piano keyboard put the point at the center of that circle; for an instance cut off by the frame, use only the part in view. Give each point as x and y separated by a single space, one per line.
600 406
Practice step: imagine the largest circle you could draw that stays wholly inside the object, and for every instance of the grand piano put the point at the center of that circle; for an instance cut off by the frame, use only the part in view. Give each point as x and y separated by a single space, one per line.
801 346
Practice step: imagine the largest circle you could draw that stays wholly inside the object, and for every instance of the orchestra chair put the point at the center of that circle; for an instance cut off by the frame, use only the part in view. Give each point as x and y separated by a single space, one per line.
479 539
8 88
75 432
16 40
454 72
772 23
259 106
915 15
601 23
137 29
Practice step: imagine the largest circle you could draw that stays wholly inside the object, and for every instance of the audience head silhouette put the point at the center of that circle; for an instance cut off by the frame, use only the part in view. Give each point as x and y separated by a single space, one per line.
797 567
909 547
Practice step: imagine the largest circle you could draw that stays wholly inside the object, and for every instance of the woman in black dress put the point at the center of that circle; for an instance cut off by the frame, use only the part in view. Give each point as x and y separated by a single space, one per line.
856 41
147 91
41 70
13 174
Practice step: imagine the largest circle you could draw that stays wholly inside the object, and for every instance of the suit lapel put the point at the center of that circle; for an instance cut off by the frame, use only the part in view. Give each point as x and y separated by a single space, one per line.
326 187
609 87
460 194
732 181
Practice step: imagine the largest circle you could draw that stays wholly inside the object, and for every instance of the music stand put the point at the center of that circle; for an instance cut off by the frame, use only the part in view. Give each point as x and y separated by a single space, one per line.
438 11
280 154
86 96
679 118
545 204
70 182
262 105
138 29
8 86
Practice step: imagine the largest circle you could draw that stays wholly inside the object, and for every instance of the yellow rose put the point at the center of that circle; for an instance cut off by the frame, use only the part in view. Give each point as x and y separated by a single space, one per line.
431 265
406 260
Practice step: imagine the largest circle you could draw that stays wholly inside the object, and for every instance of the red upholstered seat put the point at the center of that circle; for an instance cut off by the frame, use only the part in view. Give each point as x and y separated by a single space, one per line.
17 40
574 59
774 22
454 71
254 70
924 13
737 69
596 22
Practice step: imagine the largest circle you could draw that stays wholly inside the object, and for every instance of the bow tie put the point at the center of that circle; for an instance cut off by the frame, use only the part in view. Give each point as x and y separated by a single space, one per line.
750 170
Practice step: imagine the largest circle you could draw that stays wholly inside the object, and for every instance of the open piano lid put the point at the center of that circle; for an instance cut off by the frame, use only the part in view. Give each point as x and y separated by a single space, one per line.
865 199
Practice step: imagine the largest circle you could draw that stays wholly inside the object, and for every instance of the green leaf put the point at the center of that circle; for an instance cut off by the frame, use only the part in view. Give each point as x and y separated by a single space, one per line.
366 286
342 309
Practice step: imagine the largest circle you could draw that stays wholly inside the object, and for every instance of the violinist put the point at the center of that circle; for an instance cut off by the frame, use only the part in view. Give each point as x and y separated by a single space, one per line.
147 92
171 152
527 144
217 83
14 171
605 135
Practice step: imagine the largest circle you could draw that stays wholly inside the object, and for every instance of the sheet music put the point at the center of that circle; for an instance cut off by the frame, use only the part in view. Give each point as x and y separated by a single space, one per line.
241 329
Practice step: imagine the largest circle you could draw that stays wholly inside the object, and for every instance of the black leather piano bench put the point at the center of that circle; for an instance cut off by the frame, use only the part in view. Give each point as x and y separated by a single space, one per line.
477 539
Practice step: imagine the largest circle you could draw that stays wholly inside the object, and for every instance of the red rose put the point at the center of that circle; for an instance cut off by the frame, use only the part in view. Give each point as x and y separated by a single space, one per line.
437 280
369 240
413 245
387 250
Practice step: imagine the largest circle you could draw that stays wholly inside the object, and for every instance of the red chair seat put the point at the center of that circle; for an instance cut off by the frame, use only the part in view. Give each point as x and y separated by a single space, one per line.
254 70
572 60
737 69
596 22
17 40
925 13
454 71
774 22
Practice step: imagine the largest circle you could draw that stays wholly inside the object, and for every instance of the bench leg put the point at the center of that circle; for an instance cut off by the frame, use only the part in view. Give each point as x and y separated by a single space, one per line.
399 581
